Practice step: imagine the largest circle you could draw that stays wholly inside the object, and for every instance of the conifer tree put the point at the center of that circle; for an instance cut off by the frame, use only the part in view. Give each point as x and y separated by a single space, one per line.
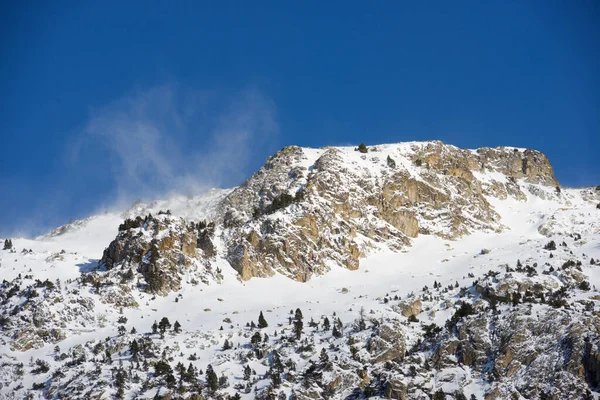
262 322
177 327
163 325
212 381
326 324
255 339
298 325
335 333
247 372
134 347
190 375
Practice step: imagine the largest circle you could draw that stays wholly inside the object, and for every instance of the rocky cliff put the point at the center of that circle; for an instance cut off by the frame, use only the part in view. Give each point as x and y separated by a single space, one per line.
306 209
341 203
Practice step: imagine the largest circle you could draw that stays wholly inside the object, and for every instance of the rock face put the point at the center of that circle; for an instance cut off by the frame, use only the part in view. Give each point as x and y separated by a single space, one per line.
519 346
388 343
308 209
158 248
340 203
410 308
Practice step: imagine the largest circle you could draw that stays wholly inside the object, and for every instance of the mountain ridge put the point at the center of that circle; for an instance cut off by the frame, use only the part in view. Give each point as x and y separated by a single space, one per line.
386 195
493 294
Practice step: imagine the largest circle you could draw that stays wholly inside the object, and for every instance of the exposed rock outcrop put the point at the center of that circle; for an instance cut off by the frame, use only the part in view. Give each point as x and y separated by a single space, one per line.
308 209
339 204
159 248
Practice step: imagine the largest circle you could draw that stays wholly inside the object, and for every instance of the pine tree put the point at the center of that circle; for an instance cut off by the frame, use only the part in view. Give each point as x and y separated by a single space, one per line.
298 314
275 378
154 327
323 357
336 333
212 381
362 148
247 373
255 339
298 325
177 327
190 374
390 162
163 325
134 347
361 325
262 322
516 298
223 382
326 324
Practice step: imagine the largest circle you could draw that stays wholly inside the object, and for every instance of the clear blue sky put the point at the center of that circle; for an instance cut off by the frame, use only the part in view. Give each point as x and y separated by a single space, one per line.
190 81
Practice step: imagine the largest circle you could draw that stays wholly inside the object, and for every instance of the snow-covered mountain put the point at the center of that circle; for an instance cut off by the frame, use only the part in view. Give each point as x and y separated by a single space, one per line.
420 271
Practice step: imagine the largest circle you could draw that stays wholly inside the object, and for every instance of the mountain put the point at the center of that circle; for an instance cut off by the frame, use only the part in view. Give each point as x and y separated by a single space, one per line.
410 270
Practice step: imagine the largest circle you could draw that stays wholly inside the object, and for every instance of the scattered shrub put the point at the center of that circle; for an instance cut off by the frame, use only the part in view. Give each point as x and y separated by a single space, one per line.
131 223
362 148
584 285
41 367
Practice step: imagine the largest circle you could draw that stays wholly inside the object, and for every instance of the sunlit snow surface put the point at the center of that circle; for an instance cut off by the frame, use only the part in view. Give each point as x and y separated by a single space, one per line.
202 308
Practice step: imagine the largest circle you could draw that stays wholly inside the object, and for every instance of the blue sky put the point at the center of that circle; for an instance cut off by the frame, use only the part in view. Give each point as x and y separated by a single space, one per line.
106 102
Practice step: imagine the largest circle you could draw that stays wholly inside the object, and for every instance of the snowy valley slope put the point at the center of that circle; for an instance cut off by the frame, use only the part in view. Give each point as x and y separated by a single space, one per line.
427 262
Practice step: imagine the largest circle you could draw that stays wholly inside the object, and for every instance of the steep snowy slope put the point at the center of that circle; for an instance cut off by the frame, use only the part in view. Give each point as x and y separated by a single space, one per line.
404 283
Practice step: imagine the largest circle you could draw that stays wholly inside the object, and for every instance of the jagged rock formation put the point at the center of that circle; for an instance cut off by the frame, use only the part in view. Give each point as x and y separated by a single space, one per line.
344 203
308 209
159 248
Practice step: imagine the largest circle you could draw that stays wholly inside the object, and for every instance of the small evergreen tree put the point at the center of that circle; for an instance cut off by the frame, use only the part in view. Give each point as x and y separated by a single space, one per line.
134 348
516 298
163 325
390 162
298 325
247 373
255 339
262 322
212 381
190 374
326 324
335 333
177 327
362 148
324 359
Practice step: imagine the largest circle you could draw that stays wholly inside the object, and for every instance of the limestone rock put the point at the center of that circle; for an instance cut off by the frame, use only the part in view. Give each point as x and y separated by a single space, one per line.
388 344
408 308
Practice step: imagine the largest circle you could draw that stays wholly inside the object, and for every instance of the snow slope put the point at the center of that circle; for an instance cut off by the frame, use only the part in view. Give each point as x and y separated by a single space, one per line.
202 310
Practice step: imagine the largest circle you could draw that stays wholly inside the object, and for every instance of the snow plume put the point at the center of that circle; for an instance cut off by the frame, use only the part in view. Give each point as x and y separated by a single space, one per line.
169 140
